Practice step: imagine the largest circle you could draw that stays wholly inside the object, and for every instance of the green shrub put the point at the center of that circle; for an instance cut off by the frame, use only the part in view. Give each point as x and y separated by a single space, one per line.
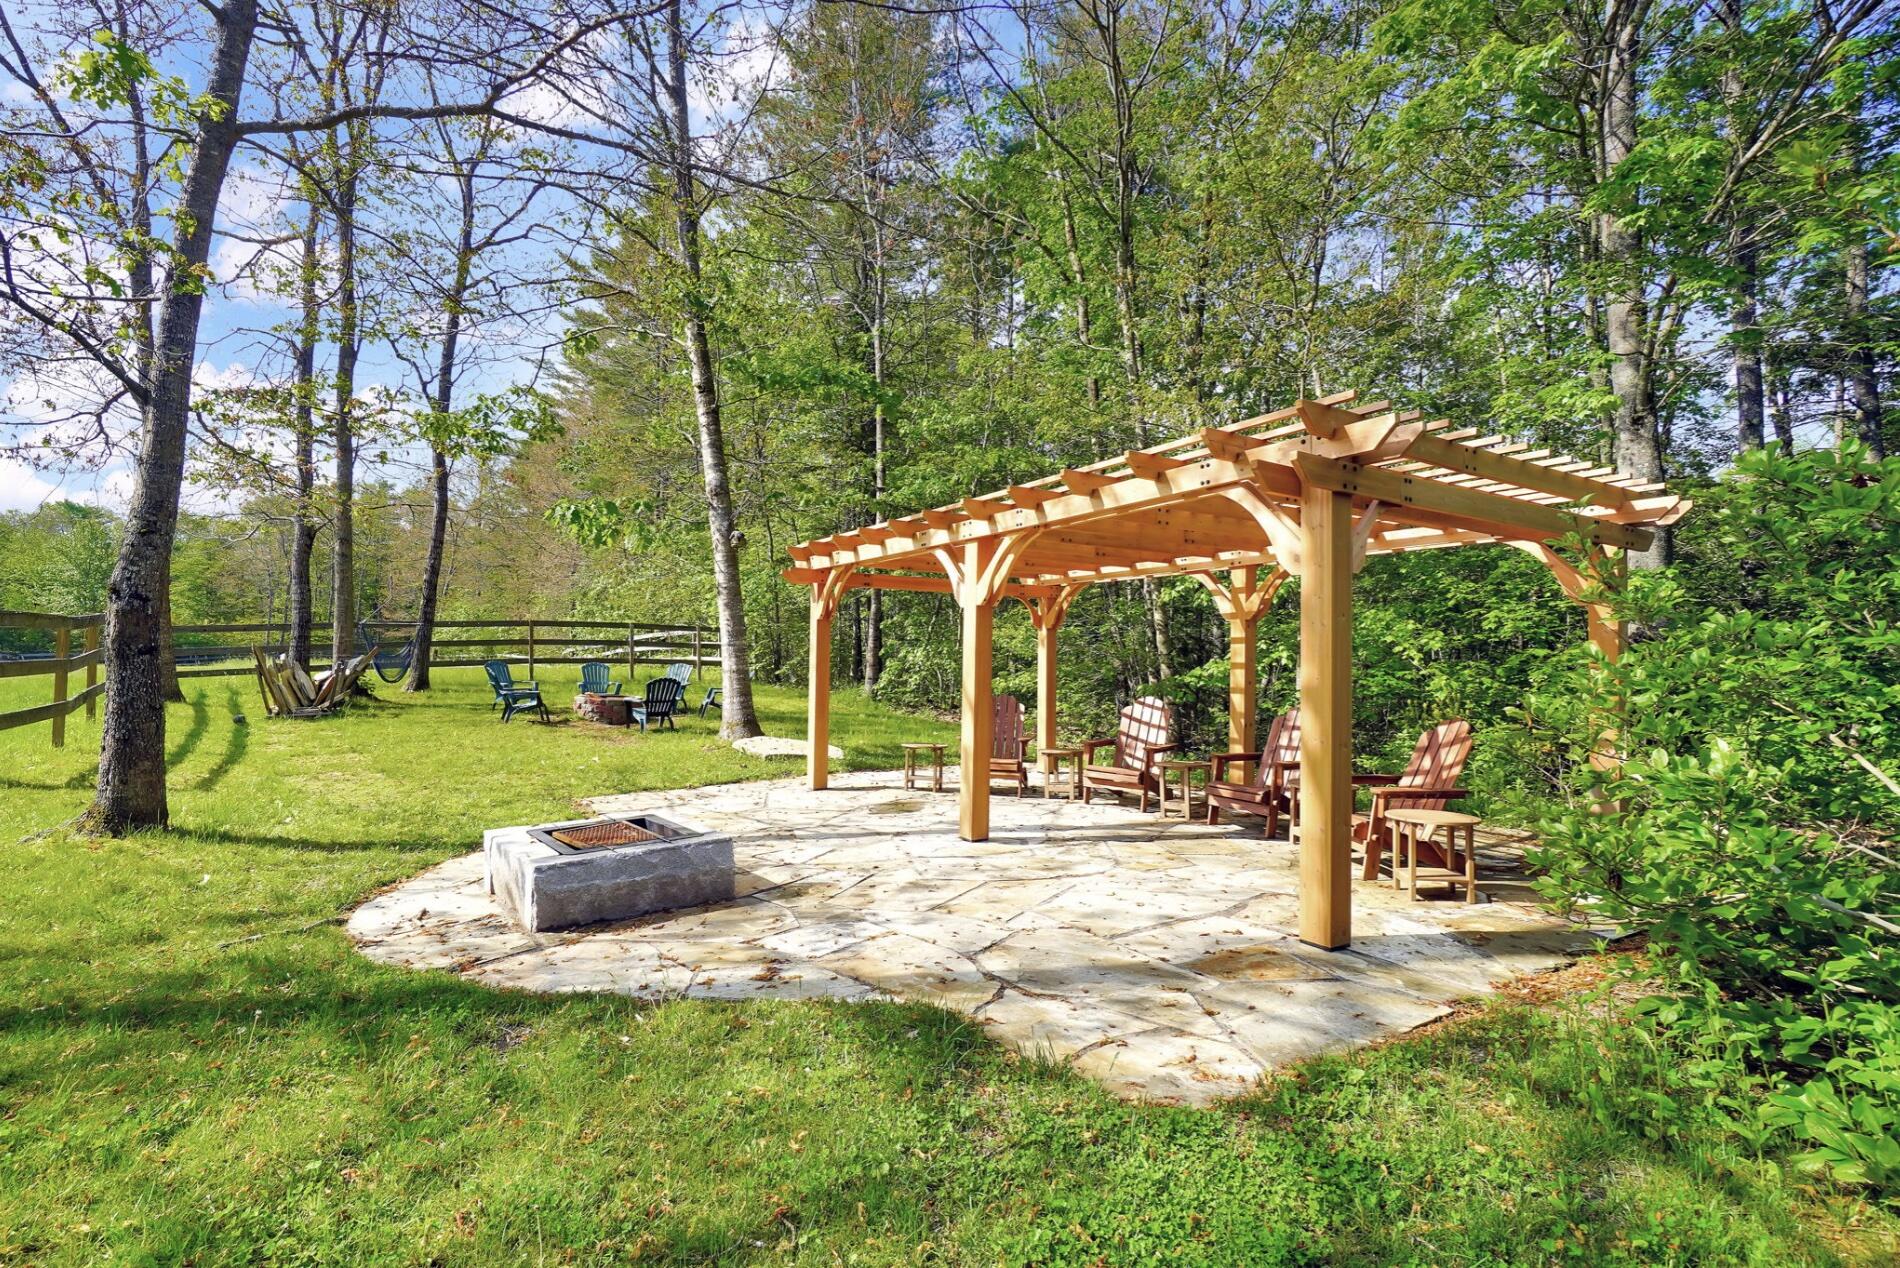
1761 740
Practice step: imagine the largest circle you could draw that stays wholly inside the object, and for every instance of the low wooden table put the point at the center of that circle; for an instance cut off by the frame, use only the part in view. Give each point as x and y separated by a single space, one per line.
912 752
1185 767
1051 759
1409 827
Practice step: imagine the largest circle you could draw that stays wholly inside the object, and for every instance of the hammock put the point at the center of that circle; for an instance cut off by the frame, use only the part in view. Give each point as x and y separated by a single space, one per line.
390 666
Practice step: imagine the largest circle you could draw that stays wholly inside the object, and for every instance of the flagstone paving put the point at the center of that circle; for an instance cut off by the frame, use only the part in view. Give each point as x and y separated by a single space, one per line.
1157 958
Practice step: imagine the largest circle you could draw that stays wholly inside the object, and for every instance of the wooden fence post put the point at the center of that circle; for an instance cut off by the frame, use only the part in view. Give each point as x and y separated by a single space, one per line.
630 655
92 671
530 649
698 664
63 649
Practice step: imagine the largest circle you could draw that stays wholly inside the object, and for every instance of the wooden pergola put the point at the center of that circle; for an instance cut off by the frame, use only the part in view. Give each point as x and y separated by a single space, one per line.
1306 492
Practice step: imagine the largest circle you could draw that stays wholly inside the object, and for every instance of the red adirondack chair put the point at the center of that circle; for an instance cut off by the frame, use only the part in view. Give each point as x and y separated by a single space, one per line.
1267 793
1009 744
1429 781
1145 734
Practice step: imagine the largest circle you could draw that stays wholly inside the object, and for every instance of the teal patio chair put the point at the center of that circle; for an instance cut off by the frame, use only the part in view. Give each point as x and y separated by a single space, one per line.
513 697
594 679
662 702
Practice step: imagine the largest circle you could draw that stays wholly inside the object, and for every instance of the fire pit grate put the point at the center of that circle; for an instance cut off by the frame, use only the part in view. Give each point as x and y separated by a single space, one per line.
608 834
595 836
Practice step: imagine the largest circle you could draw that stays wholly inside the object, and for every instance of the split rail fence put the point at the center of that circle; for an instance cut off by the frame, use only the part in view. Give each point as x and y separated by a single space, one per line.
208 651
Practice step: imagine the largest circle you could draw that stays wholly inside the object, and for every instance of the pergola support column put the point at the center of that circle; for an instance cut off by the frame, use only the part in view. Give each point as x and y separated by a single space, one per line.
1241 600
1326 547
825 594
1046 613
979 573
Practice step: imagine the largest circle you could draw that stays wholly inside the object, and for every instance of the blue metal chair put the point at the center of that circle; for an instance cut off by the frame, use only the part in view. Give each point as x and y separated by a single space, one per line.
661 704
594 679
513 697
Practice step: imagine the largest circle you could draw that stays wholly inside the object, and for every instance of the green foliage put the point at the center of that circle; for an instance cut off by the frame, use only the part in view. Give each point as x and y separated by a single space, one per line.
1759 794
55 559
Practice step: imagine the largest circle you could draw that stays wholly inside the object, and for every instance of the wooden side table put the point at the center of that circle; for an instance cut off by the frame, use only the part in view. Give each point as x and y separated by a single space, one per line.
1410 827
1185 767
913 752
1051 759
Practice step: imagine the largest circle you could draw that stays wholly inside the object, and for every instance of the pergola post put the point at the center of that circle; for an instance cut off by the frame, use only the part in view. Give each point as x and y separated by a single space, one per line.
818 695
1326 548
825 593
977 735
1241 601
1046 613
978 572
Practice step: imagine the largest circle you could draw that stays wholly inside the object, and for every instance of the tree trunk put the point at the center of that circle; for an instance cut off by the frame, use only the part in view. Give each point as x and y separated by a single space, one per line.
1863 380
1746 334
131 787
348 347
439 461
418 679
141 281
1745 257
1638 450
739 720
303 529
1078 278
1783 411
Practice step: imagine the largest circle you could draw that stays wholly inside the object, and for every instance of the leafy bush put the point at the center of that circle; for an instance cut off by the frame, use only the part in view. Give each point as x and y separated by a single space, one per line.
1760 716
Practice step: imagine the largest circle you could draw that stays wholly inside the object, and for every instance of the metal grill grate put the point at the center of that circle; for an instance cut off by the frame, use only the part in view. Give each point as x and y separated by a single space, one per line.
602 835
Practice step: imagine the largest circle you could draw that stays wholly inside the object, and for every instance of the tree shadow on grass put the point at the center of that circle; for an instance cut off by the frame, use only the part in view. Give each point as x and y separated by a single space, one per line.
370 841
72 783
380 1008
236 741
200 721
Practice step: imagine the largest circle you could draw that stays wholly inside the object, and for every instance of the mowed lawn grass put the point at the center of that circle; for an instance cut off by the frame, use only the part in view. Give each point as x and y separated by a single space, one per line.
196 1068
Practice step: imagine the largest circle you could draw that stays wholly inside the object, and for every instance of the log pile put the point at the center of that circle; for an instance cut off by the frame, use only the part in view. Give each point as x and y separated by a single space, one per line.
289 692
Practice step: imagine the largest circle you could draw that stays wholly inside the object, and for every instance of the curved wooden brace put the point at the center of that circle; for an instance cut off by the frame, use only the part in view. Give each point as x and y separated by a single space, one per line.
1281 529
828 591
1236 600
1362 532
1048 611
982 574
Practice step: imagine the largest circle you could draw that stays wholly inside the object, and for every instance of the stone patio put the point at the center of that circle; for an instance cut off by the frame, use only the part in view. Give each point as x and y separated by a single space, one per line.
1156 958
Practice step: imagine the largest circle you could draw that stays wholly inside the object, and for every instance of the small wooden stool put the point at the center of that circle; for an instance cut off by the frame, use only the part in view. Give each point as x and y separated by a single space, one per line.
912 752
1409 827
1051 759
1185 767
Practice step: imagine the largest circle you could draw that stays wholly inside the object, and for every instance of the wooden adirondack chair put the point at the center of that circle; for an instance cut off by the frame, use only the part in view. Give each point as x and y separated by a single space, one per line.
1429 782
1009 745
1146 733
1275 766
595 678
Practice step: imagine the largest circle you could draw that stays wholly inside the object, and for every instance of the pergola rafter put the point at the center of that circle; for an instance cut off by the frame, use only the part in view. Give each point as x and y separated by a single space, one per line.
1307 492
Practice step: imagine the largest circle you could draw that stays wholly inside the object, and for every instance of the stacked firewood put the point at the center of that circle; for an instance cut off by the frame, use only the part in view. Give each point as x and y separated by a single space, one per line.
289 692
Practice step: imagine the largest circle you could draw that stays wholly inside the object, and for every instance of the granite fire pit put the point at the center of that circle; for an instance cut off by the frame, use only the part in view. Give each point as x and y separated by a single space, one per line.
557 875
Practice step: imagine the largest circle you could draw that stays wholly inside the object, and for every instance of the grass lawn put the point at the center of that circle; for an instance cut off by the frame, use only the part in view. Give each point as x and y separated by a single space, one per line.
195 1067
